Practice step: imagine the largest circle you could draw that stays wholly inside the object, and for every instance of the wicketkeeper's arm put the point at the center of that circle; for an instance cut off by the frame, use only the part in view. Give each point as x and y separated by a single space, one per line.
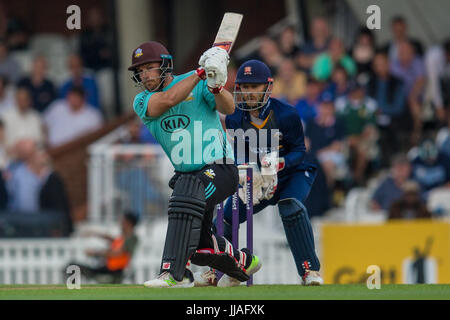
296 140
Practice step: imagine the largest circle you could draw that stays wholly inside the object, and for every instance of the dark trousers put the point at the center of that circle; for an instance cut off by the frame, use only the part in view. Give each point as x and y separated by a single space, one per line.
220 181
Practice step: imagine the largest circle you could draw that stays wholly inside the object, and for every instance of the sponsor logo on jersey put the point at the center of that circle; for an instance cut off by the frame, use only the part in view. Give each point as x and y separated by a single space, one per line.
190 97
138 53
210 173
174 123
166 266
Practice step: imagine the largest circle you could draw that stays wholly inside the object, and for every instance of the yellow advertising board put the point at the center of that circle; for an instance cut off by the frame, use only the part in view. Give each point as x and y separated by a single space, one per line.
405 251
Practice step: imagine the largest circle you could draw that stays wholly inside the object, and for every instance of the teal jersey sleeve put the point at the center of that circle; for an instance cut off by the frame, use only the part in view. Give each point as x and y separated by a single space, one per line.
140 104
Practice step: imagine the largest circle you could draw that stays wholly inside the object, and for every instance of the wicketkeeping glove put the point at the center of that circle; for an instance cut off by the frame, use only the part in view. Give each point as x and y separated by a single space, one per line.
257 186
271 163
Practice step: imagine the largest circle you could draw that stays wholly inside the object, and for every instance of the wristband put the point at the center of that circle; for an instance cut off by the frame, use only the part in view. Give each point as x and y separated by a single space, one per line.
201 73
216 90
281 164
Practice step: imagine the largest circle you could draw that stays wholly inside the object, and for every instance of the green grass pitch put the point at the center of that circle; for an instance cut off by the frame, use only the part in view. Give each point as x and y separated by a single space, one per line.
257 292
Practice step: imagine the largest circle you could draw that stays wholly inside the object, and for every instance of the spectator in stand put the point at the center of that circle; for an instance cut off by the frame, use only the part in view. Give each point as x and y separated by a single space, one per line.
3 192
80 78
17 34
325 63
42 90
410 68
23 184
132 133
7 95
437 66
270 54
287 41
410 205
339 84
132 175
391 188
290 84
8 65
307 106
3 154
431 168
71 118
443 139
52 194
114 260
21 121
326 134
357 112
96 41
399 29
320 39
363 51
34 187
393 119
20 152
135 133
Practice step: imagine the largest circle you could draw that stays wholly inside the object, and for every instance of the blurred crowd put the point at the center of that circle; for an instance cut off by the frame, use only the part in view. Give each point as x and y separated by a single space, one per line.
38 113
367 109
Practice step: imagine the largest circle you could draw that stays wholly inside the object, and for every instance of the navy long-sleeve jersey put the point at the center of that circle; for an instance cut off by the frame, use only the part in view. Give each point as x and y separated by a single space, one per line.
282 122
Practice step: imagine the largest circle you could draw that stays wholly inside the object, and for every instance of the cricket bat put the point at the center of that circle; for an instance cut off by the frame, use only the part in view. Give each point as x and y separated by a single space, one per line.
228 31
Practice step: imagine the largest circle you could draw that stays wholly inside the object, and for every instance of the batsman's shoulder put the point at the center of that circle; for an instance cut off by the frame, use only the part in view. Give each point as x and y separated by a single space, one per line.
140 103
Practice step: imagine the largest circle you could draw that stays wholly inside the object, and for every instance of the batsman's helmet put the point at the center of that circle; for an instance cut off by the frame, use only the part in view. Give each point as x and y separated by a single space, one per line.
147 52
253 72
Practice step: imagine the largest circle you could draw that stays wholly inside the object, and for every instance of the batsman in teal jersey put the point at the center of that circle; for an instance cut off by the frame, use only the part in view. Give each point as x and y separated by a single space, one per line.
181 113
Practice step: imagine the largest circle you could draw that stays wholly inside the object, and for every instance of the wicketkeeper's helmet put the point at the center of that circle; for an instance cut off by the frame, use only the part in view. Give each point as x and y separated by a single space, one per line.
252 72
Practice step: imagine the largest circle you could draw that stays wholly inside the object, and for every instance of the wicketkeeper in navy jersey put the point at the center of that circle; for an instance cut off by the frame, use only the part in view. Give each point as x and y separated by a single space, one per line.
282 152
